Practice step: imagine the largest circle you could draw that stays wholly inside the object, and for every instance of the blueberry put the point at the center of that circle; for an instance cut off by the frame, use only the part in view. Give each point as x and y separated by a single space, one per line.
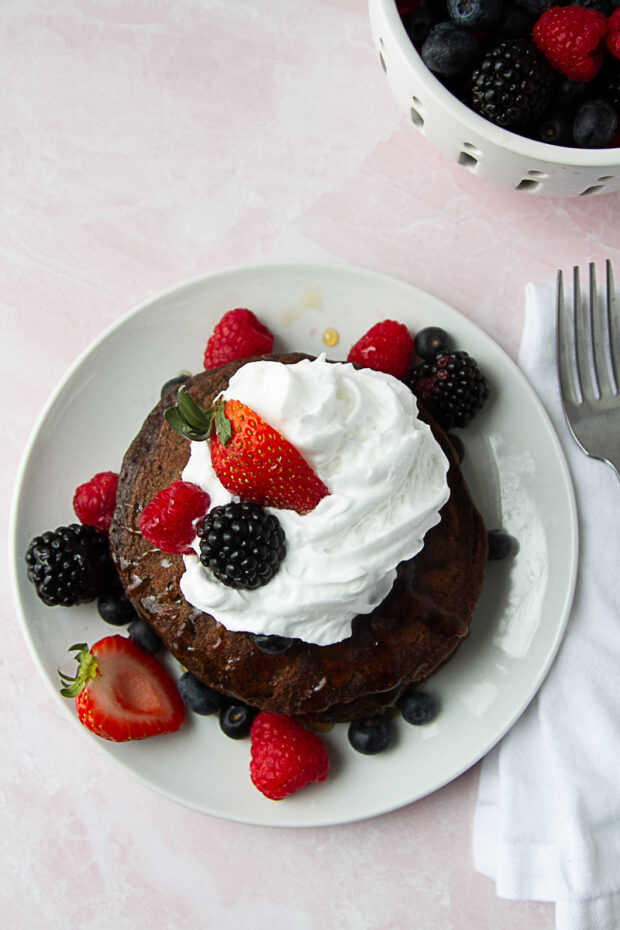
514 22
236 718
272 644
115 608
418 24
450 49
144 635
595 124
457 445
370 735
173 383
198 697
430 341
556 129
475 14
500 544
417 707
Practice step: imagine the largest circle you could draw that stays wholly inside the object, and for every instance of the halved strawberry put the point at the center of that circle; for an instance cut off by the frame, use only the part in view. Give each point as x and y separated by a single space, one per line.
250 457
122 692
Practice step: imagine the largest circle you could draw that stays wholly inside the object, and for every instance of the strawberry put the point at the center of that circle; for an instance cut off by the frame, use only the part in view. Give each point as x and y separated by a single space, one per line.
285 756
95 500
239 334
122 692
251 459
170 520
386 347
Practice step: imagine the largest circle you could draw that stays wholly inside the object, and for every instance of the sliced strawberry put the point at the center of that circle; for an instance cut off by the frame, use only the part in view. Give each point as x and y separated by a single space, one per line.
122 692
250 457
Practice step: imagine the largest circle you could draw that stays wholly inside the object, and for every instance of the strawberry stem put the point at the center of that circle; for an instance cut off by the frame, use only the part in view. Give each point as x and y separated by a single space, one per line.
73 684
197 423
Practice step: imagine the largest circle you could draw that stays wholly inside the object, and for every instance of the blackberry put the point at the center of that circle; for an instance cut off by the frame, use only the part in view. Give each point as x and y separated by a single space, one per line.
242 544
512 86
70 565
451 387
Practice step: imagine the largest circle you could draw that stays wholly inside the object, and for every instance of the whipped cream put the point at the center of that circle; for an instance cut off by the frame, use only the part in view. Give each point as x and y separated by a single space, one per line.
386 474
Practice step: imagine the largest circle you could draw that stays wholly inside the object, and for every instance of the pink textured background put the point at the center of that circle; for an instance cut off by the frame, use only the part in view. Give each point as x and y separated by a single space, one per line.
144 142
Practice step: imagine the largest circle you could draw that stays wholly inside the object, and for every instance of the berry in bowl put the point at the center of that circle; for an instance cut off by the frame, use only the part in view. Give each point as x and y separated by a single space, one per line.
521 93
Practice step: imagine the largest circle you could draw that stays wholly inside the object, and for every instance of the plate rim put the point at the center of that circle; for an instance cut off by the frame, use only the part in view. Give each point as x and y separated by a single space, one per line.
302 267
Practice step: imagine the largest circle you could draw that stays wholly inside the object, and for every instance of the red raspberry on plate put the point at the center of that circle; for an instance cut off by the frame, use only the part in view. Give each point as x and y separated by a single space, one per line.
170 520
95 500
613 34
285 756
237 335
571 37
387 347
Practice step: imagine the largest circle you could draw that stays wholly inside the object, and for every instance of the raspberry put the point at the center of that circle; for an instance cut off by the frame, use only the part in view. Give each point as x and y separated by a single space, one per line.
285 756
94 502
237 335
387 347
571 37
170 520
613 35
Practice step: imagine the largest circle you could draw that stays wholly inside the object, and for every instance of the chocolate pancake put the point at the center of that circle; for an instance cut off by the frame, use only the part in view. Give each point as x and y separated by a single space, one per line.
404 640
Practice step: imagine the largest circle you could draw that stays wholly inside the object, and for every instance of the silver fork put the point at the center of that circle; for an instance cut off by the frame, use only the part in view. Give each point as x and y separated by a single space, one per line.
588 357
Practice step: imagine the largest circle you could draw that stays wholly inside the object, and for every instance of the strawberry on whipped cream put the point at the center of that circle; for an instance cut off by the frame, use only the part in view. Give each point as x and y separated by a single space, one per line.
386 474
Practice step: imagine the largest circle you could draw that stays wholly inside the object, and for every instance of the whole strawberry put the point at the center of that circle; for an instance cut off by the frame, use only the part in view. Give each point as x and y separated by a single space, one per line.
122 692
95 500
170 521
285 756
386 347
571 38
239 334
251 458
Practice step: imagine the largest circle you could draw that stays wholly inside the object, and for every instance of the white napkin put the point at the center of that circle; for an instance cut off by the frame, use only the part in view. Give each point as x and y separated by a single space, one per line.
547 823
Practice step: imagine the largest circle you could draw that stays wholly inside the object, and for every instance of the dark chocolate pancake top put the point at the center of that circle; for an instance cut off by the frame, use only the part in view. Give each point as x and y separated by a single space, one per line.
407 637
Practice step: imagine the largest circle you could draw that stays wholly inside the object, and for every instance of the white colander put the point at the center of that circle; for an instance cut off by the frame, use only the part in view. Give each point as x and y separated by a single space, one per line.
486 150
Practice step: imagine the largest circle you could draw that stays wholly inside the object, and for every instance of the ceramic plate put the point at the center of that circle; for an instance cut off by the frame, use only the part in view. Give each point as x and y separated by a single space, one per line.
515 469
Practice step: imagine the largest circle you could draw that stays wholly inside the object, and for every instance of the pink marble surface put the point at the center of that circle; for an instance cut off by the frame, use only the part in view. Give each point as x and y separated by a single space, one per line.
143 143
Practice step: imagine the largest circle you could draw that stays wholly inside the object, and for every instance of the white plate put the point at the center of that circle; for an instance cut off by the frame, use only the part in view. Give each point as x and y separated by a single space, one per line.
515 469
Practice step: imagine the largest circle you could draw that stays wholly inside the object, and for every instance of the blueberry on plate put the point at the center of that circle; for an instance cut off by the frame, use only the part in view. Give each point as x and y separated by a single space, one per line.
144 635
501 545
417 707
198 697
173 383
370 735
430 341
236 719
271 643
115 608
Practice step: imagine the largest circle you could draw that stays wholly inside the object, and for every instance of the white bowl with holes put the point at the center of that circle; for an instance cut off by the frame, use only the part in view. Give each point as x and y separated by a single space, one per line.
488 151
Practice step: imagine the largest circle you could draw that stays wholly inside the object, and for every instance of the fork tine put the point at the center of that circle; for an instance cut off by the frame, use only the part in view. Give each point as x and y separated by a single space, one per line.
565 350
599 310
613 326
584 335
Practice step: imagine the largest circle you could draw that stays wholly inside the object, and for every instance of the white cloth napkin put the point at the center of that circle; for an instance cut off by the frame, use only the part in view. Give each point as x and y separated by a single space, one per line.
547 823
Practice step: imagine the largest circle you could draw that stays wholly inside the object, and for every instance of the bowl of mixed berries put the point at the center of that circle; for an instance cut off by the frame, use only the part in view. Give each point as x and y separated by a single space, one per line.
522 93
